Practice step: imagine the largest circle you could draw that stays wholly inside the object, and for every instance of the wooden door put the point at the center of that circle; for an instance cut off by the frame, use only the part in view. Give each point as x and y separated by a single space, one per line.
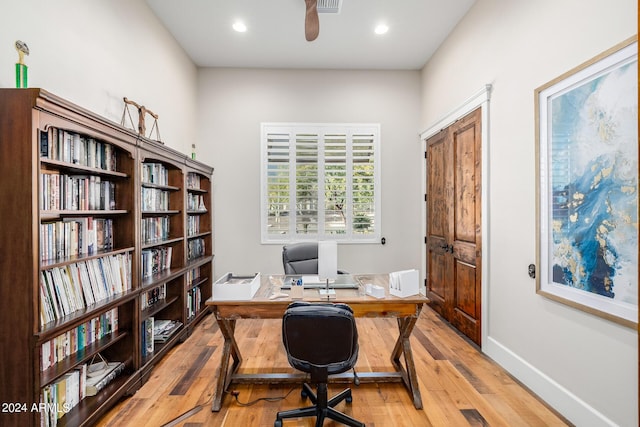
453 224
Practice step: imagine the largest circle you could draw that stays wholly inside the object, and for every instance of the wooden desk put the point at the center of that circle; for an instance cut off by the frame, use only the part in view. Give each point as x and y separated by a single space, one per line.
406 310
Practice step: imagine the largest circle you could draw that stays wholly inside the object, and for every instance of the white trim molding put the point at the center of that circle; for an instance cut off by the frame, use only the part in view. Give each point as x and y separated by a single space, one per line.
476 100
564 401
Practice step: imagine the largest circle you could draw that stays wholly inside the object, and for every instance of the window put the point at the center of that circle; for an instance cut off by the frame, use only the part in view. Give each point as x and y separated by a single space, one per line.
320 181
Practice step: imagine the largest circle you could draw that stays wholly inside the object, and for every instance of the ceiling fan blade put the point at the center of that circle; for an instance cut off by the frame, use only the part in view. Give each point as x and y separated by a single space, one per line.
311 21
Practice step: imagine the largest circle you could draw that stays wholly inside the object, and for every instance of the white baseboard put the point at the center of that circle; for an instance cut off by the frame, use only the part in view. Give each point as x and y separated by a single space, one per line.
555 395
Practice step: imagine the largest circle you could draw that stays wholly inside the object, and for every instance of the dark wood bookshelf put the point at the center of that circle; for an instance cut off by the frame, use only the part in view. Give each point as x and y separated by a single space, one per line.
32 122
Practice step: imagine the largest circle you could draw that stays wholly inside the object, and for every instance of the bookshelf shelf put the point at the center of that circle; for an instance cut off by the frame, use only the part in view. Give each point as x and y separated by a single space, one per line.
201 234
82 356
81 169
162 242
160 187
48 264
196 190
198 212
91 208
198 282
163 276
52 329
157 307
157 213
49 215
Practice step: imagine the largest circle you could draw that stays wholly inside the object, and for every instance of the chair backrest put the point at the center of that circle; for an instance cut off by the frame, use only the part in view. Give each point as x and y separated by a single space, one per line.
320 338
300 258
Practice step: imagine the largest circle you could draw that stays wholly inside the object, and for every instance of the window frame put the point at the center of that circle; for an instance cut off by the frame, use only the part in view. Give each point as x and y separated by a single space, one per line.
290 130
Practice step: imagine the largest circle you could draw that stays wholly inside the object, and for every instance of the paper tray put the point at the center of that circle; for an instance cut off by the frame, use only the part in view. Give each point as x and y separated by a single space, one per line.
236 287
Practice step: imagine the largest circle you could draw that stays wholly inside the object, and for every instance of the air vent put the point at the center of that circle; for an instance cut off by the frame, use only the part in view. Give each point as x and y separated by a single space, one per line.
329 6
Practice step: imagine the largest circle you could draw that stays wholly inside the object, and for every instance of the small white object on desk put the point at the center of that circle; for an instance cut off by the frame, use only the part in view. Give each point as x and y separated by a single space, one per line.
403 283
327 293
235 287
374 290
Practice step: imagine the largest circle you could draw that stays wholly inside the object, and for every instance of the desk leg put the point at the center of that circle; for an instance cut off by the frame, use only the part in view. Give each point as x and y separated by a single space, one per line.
403 347
229 349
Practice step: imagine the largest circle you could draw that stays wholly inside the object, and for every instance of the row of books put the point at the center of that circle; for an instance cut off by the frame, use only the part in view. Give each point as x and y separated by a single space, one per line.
156 260
64 345
76 192
193 224
155 173
59 398
193 181
75 236
71 147
153 296
193 275
195 202
195 248
65 290
155 229
85 380
154 199
194 301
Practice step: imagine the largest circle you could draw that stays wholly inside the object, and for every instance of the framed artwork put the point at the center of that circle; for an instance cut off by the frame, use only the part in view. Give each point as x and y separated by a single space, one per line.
587 186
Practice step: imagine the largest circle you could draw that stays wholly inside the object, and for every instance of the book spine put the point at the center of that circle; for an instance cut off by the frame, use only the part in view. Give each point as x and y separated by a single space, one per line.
65 290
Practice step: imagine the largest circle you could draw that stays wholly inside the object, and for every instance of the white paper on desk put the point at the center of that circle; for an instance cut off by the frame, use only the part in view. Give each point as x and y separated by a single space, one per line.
310 279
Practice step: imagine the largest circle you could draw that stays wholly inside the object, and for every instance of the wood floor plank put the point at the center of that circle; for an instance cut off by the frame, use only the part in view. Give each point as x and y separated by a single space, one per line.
460 386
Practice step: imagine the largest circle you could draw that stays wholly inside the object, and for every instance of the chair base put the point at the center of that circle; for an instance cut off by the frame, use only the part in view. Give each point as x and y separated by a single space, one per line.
322 408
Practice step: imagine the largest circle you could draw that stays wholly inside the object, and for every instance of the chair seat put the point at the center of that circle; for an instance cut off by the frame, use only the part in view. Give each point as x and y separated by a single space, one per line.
320 339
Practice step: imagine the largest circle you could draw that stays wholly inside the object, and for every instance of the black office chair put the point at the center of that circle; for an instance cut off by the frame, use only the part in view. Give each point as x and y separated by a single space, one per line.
301 258
321 339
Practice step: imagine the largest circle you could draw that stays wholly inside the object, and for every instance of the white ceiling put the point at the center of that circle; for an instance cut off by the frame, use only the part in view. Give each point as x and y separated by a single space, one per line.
275 34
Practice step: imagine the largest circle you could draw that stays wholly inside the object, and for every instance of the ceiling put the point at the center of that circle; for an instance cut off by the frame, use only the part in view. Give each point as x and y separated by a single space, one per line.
275 32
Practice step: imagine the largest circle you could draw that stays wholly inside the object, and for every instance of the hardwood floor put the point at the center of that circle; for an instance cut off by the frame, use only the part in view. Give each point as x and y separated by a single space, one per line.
460 386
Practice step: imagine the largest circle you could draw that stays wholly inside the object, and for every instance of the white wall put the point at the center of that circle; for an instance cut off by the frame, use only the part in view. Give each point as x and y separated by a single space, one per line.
233 103
94 53
584 366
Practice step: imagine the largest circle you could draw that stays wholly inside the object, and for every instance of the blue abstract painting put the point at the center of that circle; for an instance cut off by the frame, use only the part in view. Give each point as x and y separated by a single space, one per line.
593 185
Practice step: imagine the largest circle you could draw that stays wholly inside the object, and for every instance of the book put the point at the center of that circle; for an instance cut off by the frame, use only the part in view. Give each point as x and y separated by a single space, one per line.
164 329
100 374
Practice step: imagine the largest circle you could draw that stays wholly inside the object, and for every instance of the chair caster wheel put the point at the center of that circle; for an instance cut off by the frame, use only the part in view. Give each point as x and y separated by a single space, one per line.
277 423
348 399
303 395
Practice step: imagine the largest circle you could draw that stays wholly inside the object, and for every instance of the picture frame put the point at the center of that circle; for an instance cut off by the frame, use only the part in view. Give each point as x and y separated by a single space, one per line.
587 186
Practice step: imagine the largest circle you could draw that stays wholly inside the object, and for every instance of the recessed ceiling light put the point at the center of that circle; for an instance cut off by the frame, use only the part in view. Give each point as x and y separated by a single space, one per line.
381 29
239 27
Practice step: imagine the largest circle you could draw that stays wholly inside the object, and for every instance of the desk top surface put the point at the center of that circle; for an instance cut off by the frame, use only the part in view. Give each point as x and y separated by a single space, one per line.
270 286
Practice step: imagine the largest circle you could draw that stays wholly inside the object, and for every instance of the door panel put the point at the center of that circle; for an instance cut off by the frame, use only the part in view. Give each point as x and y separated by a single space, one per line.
453 224
437 224
436 281
464 185
466 289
